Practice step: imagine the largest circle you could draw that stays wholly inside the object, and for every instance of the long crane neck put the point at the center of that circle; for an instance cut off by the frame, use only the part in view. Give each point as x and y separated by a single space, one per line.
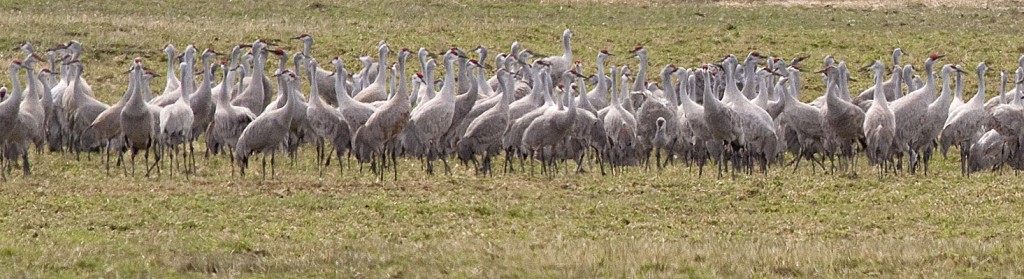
382 67
340 90
641 73
403 82
669 91
978 98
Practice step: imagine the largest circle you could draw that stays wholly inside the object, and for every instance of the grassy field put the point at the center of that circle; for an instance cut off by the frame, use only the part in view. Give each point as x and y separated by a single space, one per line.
70 220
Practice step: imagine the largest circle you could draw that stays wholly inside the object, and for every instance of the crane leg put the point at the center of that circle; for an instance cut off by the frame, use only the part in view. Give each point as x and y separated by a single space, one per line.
394 160
264 166
25 165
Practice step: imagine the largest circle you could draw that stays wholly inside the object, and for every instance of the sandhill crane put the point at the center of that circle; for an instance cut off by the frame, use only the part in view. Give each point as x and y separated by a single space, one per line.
910 112
989 152
668 139
324 82
228 120
721 119
233 63
598 97
75 49
383 128
757 130
137 121
176 119
17 124
649 111
172 80
553 126
482 105
879 124
81 110
958 89
361 79
964 125
299 127
324 121
432 119
802 121
694 131
913 82
376 91
252 96
640 52
561 63
844 121
32 104
528 103
513 139
889 86
356 113
483 135
935 117
60 129
201 101
266 132
108 123
1007 120
171 97
463 104
53 120
1002 96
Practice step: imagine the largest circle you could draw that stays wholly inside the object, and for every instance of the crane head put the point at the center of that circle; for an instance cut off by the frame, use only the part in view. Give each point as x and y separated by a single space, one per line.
605 52
935 56
303 36
57 47
34 57
959 68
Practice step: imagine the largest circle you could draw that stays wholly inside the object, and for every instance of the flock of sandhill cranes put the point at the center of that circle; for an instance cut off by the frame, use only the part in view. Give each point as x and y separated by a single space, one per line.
730 112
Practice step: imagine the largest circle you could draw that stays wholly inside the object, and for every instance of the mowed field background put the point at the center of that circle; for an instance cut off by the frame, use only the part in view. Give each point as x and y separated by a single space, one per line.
68 219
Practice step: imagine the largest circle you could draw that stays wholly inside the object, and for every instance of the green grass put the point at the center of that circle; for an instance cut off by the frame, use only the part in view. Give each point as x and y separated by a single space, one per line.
70 220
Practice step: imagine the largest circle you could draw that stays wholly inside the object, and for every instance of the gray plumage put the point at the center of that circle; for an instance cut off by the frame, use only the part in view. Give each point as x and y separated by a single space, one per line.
879 124
376 91
266 133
